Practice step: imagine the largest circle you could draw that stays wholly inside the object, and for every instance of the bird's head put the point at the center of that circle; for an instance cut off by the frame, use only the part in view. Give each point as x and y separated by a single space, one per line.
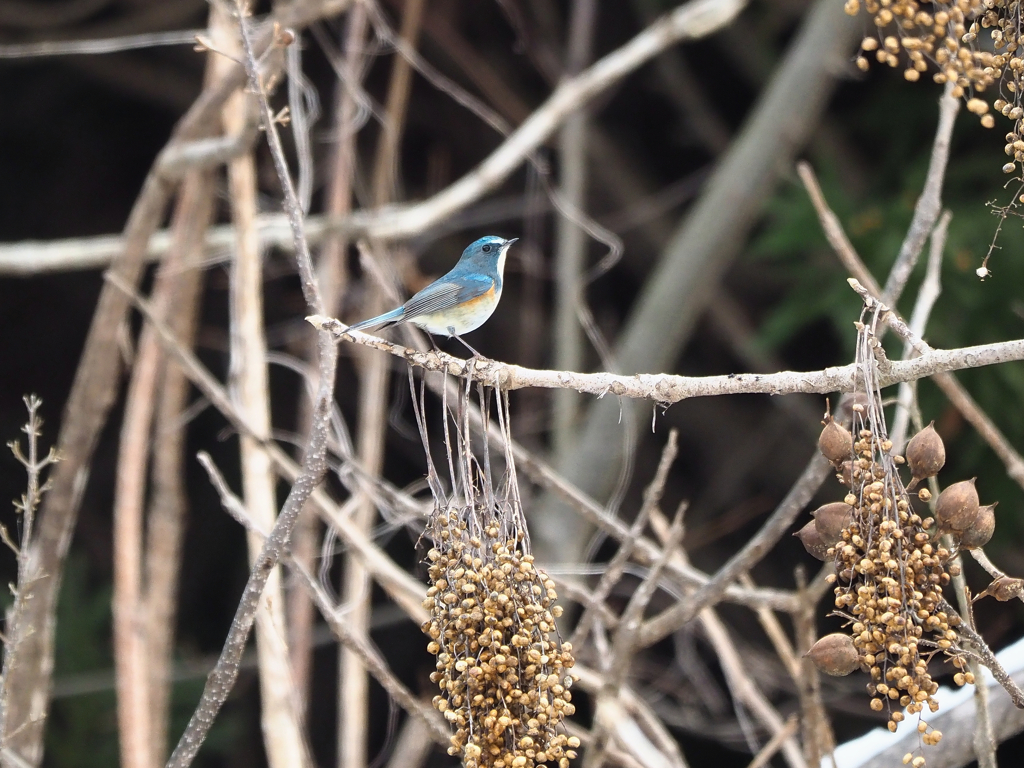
488 253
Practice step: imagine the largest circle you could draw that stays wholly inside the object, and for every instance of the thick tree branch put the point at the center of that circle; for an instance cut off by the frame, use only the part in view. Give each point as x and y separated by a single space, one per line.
670 388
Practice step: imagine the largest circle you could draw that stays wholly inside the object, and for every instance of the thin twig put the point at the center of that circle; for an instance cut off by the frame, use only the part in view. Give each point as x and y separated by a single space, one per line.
15 626
613 571
336 618
777 740
623 647
757 547
928 206
927 295
249 385
743 689
96 46
777 635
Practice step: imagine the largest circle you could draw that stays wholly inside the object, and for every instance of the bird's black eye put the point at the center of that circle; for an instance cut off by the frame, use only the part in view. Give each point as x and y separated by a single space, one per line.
487 249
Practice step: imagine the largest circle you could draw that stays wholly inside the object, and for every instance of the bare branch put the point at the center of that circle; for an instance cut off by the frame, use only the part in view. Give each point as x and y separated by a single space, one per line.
336 618
957 395
756 548
928 205
97 46
768 751
222 679
693 20
402 587
613 571
927 295
669 388
88 405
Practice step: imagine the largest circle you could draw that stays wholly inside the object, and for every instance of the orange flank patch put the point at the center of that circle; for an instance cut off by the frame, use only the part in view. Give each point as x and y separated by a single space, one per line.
483 300
467 316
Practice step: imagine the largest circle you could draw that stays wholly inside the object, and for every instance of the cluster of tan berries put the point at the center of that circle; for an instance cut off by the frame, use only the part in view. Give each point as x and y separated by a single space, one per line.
891 565
945 36
502 671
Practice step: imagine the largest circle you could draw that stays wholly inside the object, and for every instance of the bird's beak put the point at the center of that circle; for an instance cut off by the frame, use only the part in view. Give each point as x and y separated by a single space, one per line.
509 242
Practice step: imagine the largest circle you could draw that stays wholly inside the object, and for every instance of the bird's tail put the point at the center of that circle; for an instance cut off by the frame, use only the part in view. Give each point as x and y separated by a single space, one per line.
381 321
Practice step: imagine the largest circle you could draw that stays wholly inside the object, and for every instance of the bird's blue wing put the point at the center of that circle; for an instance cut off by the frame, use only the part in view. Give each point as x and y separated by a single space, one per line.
446 293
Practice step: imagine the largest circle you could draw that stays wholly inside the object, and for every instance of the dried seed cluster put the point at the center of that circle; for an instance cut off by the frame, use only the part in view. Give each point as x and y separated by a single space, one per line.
945 35
890 570
890 579
890 563
502 671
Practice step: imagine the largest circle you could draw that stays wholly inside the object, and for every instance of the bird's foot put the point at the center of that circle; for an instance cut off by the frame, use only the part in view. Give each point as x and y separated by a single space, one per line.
476 355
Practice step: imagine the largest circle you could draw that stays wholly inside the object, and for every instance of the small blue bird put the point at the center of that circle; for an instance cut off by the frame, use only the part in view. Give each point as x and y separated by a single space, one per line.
459 302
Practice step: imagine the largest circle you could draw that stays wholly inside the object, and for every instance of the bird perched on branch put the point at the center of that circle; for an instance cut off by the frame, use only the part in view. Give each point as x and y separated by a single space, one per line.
459 302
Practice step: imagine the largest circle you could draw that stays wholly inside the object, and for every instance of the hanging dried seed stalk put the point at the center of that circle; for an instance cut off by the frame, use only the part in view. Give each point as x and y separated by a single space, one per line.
502 669
889 572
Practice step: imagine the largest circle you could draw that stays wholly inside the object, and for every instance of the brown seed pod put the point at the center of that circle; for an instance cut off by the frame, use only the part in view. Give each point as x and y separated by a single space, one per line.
978 533
957 506
926 454
830 520
1002 589
834 655
835 442
813 542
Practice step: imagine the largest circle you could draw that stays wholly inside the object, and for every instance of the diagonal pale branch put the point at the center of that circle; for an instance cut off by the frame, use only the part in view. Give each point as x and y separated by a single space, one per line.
951 387
280 712
693 20
359 642
222 679
756 548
